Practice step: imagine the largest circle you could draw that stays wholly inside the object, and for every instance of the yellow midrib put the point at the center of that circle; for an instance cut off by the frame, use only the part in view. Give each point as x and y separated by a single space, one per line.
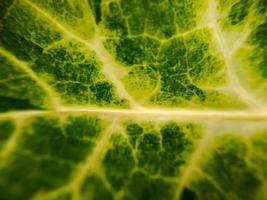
166 113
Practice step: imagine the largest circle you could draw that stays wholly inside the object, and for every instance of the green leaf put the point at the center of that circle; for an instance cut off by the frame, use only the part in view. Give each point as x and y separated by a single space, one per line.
132 99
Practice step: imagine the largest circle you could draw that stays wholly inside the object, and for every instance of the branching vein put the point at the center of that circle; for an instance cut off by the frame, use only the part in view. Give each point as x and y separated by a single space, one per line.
91 162
192 165
22 65
234 82
108 63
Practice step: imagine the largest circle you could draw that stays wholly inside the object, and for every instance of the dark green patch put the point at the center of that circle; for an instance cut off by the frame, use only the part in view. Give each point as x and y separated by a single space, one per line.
186 13
76 75
17 90
113 19
164 154
171 163
259 152
258 36
173 138
183 64
150 142
172 53
160 21
173 66
118 162
96 8
239 11
48 149
142 187
188 194
138 50
261 6
93 188
9 104
103 91
230 170
26 175
67 11
136 12
149 152
134 131
6 129
83 127
130 52
174 144
20 46
46 137
4 5
258 58
65 196
158 18
66 63
20 22
204 189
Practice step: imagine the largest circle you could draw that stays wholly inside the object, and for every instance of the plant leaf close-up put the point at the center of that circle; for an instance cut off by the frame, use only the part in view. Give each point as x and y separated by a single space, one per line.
133 100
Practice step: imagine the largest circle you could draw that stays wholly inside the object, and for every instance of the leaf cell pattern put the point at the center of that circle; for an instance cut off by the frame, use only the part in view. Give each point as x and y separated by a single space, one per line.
133 100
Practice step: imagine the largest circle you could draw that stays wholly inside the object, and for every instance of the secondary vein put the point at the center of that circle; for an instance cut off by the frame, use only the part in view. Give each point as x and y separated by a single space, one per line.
23 66
108 64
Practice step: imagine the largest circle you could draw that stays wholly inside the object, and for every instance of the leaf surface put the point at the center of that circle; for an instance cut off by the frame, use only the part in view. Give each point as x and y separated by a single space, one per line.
120 99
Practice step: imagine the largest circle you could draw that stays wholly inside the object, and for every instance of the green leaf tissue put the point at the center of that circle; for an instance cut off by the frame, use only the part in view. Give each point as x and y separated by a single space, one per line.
133 100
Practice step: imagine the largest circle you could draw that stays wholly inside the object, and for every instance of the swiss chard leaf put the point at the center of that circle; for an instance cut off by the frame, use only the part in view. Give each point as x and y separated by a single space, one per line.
133 99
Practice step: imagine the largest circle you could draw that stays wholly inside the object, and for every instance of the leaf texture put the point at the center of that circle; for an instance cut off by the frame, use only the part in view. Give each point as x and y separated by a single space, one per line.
132 100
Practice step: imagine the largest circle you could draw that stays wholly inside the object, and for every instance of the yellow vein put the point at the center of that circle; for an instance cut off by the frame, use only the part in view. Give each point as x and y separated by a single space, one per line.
109 67
109 64
235 83
245 96
12 142
192 165
91 162
14 78
214 183
22 65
